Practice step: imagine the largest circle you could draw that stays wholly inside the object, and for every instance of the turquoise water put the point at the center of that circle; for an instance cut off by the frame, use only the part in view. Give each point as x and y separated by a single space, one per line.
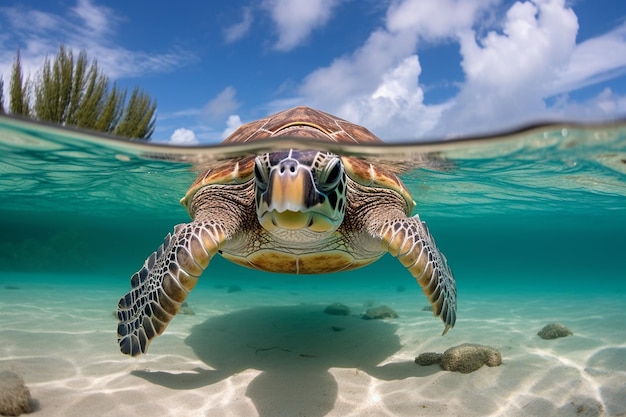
548 205
534 215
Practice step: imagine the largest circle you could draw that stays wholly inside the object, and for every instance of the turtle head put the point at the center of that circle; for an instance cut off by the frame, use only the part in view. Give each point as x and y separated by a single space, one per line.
298 190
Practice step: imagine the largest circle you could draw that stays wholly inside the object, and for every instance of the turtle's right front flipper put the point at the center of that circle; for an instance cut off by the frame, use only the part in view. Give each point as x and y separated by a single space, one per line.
162 284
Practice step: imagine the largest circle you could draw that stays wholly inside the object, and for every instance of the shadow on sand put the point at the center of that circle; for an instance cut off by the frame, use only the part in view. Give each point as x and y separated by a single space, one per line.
293 347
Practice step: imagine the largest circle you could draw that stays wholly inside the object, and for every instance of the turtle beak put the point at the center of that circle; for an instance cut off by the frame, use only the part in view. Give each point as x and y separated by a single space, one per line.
289 186
287 199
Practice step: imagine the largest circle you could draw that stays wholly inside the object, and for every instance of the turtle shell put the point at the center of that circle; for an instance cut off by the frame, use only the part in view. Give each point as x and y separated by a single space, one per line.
303 122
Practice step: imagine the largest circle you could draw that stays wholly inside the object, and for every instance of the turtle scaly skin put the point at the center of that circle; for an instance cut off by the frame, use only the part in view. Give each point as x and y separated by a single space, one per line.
290 211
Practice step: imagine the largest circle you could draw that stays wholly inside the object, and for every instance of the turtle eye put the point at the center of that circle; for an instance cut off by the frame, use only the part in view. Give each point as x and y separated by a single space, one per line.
260 174
330 175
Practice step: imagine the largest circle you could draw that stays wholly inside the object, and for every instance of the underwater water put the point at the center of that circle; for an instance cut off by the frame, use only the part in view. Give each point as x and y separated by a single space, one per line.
533 224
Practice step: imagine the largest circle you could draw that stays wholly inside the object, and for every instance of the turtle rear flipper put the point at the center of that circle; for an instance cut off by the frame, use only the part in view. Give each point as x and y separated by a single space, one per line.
162 284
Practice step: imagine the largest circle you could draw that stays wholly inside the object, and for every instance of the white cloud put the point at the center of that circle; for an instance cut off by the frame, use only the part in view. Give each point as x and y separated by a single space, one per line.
434 19
605 106
536 42
296 19
183 136
594 60
378 84
205 121
97 19
407 22
237 31
86 26
511 68
224 103
508 74
610 103
232 123
203 133
391 109
359 73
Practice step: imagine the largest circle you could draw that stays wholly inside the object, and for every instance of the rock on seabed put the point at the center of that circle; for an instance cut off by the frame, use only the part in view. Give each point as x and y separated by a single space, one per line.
554 331
469 357
14 395
463 358
337 309
378 313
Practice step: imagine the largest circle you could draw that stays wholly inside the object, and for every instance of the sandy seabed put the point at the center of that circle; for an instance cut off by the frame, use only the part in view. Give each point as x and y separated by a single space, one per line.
271 351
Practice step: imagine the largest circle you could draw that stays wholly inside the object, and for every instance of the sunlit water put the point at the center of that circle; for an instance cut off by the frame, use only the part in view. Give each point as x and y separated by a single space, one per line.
533 225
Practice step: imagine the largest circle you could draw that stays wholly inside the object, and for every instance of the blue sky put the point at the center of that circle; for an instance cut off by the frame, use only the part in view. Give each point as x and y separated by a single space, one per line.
405 69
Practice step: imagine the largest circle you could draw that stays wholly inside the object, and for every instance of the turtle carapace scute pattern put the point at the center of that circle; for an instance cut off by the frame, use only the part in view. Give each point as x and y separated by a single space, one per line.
287 211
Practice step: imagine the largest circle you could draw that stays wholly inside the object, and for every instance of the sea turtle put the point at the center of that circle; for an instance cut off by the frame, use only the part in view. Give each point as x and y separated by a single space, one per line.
291 211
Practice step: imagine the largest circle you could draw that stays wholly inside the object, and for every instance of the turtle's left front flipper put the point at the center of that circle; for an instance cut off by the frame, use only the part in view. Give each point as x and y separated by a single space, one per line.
409 240
162 284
